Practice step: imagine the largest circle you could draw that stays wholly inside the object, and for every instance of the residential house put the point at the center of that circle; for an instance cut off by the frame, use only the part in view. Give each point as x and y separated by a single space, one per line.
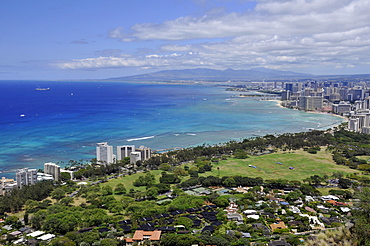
278 224
141 236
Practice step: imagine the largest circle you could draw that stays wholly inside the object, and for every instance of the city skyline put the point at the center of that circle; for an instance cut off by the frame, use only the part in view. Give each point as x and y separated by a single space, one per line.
74 40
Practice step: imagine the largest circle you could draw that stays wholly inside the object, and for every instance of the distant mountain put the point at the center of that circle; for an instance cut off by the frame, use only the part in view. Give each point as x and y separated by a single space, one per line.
205 74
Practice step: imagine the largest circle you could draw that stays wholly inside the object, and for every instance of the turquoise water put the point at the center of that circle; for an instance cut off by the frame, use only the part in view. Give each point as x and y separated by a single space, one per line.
67 121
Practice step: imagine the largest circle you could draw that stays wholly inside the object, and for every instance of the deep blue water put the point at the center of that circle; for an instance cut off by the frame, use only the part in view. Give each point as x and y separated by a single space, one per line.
67 121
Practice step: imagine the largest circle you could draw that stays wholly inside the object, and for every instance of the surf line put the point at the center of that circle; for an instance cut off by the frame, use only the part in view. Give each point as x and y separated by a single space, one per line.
136 139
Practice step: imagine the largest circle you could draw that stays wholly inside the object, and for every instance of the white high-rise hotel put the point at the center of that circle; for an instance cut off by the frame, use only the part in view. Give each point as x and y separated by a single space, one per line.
124 151
26 176
104 153
53 169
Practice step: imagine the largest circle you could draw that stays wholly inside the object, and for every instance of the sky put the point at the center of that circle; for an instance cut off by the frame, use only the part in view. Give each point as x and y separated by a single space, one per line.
96 39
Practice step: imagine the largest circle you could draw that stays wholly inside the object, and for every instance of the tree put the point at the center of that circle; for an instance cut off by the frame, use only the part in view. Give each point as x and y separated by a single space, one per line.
108 242
240 154
107 190
66 201
62 241
31 206
58 193
229 182
88 237
179 240
184 221
294 195
169 178
152 192
344 183
120 189
361 217
65 176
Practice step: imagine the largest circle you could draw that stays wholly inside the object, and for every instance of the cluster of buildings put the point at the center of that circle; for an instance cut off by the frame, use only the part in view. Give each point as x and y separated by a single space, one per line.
104 153
52 171
359 115
315 95
26 176
342 98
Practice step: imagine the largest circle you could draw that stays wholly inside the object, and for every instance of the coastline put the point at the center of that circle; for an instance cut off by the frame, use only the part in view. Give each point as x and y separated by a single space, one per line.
279 103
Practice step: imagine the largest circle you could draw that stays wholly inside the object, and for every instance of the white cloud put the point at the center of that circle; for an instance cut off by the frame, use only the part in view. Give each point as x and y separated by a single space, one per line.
146 62
285 34
296 17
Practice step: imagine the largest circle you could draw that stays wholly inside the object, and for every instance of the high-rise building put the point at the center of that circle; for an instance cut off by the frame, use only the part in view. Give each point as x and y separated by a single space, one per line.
341 108
52 169
310 103
104 153
285 95
26 176
146 152
289 87
124 151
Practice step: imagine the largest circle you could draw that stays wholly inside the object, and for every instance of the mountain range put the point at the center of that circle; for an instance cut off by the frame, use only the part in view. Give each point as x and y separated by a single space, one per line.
205 74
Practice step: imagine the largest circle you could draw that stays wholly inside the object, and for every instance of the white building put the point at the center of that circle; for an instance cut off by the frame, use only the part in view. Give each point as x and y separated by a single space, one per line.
341 108
44 177
146 152
310 102
7 185
135 156
26 176
104 153
124 151
52 169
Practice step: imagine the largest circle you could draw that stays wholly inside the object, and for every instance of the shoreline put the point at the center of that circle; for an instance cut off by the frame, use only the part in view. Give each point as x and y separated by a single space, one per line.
279 104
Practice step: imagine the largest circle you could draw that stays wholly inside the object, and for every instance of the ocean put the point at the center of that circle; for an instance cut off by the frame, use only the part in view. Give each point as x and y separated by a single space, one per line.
65 122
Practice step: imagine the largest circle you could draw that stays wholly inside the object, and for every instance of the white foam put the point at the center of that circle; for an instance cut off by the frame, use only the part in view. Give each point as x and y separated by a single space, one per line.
136 139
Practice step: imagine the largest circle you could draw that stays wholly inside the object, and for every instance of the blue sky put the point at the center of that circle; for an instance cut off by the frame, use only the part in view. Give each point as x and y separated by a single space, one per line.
64 39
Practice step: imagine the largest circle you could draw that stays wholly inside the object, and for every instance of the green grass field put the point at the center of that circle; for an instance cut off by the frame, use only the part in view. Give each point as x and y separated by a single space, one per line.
304 164
129 179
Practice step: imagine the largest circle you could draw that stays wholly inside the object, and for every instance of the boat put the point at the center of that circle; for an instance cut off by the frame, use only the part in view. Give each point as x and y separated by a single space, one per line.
42 89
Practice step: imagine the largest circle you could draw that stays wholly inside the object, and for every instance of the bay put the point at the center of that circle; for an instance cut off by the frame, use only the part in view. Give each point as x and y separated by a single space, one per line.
65 122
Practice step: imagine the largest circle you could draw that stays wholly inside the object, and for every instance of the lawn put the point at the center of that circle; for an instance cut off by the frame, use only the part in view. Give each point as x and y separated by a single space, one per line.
129 179
267 167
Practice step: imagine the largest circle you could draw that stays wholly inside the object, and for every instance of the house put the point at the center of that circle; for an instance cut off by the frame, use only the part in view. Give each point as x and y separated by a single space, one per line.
295 210
309 199
279 224
235 217
310 210
253 216
295 223
232 208
126 228
268 215
279 243
141 235
345 210
263 228
335 203
329 197
249 212
208 228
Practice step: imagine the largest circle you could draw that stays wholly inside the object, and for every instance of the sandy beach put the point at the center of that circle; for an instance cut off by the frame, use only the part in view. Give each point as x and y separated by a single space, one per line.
279 103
